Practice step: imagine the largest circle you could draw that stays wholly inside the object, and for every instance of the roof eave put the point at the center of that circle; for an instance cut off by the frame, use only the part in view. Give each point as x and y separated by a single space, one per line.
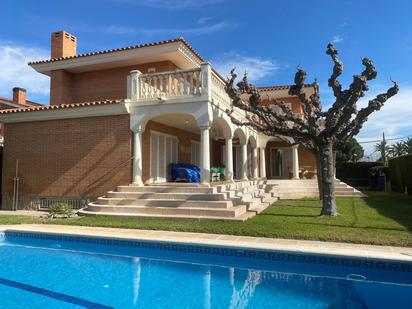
115 108
126 55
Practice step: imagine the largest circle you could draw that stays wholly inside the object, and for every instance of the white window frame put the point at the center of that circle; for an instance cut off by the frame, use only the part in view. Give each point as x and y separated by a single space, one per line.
194 157
153 132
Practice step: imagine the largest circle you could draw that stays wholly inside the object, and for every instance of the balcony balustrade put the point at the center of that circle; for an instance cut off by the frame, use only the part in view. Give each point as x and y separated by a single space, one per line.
178 86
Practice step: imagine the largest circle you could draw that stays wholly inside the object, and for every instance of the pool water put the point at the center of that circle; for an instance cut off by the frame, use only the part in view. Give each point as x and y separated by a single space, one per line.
38 271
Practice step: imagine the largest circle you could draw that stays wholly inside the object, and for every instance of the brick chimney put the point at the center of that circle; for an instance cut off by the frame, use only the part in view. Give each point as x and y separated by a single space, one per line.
63 44
19 95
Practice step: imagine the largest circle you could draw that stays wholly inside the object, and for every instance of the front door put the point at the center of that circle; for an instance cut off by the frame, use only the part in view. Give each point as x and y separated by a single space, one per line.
276 163
163 151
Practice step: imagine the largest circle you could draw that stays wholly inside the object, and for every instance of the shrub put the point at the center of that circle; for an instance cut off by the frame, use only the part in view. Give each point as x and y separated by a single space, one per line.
60 210
377 177
400 171
355 173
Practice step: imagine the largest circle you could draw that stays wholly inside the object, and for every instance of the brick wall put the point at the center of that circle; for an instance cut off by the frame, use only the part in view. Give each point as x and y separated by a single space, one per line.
61 87
184 146
66 87
83 157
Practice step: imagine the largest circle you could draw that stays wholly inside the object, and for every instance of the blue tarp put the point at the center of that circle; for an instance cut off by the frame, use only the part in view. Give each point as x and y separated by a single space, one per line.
185 172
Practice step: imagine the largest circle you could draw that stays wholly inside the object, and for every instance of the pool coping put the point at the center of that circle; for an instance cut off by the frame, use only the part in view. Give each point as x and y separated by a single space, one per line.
335 249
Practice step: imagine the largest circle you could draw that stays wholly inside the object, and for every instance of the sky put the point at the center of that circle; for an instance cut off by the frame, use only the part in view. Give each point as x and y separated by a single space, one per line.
269 39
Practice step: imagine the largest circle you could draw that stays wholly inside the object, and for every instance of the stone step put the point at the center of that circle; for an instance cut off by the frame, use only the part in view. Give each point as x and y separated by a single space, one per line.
167 189
265 204
167 203
173 184
168 196
242 217
350 194
311 190
159 210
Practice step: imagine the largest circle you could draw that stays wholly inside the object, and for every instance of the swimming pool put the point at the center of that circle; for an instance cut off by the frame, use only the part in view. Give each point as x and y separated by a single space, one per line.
59 271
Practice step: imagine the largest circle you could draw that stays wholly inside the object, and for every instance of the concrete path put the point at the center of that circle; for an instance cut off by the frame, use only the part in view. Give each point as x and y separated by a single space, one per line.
31 213
285 245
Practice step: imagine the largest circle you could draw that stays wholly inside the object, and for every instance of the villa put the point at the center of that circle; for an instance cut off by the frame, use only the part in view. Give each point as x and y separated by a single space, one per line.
119 118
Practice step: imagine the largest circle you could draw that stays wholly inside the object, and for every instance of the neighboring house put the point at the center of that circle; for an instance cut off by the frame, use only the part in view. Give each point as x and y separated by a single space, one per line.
120 116
18 101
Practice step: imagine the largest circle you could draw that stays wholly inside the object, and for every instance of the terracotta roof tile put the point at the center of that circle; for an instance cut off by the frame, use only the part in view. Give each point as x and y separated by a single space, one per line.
181 39
59 106
22 105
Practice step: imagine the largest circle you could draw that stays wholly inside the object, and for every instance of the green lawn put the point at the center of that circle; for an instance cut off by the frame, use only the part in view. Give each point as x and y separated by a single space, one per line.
383 219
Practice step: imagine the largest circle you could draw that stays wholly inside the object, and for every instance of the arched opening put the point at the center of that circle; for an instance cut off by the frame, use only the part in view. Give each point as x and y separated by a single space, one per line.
287 160
219 133
279 159
239 141
168 138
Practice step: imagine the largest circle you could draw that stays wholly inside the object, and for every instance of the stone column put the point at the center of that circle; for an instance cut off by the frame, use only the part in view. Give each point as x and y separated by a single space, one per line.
295 162
262 163
204 155
254 163
133 85
137 157
229 159
244 162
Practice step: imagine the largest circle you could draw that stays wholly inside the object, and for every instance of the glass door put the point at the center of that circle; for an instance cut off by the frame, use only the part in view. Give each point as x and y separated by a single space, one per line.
163 151
276 163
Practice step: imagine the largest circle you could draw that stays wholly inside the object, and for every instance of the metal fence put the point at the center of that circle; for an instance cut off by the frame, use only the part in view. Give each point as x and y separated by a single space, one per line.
45 203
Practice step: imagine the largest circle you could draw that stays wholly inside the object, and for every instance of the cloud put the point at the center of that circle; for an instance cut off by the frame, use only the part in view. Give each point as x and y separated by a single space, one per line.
170 31
337 39
203 20
394 118
257 68
179 4
343 25
14 71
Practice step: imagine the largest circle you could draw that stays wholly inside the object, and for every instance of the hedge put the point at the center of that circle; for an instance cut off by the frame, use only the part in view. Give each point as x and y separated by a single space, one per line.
400 171
355 173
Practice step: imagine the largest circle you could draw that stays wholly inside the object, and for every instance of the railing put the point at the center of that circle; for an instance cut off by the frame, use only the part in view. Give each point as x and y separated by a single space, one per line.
218 89
198 82
169 84
46 203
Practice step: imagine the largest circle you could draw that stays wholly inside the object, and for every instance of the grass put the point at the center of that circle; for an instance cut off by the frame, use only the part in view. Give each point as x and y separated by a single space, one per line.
380 219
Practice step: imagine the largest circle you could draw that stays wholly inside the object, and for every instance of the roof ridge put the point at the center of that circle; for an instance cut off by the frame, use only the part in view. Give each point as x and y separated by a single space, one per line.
282 86
113 50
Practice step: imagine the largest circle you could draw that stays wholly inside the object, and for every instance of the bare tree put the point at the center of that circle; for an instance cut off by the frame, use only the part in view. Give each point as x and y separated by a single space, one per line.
315 129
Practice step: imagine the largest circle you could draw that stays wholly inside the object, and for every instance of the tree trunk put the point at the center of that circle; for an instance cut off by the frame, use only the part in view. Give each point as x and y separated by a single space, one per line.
328 180
319 174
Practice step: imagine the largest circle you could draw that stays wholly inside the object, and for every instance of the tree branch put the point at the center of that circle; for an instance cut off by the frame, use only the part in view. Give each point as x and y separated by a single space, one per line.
337 70
356 124
345 105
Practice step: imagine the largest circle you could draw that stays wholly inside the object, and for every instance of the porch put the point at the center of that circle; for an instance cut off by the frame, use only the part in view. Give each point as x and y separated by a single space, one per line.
221 155
191 106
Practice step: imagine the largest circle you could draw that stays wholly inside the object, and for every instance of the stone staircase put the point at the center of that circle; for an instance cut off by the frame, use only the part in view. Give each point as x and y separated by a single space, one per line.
236 201
295 189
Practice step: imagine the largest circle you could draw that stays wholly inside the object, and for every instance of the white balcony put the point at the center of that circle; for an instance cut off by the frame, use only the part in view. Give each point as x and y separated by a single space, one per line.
178 87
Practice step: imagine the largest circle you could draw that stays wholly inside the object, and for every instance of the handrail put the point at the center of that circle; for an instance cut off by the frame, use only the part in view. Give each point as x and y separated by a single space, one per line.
171 84
170 72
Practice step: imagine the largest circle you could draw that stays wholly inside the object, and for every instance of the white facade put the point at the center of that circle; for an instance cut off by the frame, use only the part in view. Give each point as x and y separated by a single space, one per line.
200 93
